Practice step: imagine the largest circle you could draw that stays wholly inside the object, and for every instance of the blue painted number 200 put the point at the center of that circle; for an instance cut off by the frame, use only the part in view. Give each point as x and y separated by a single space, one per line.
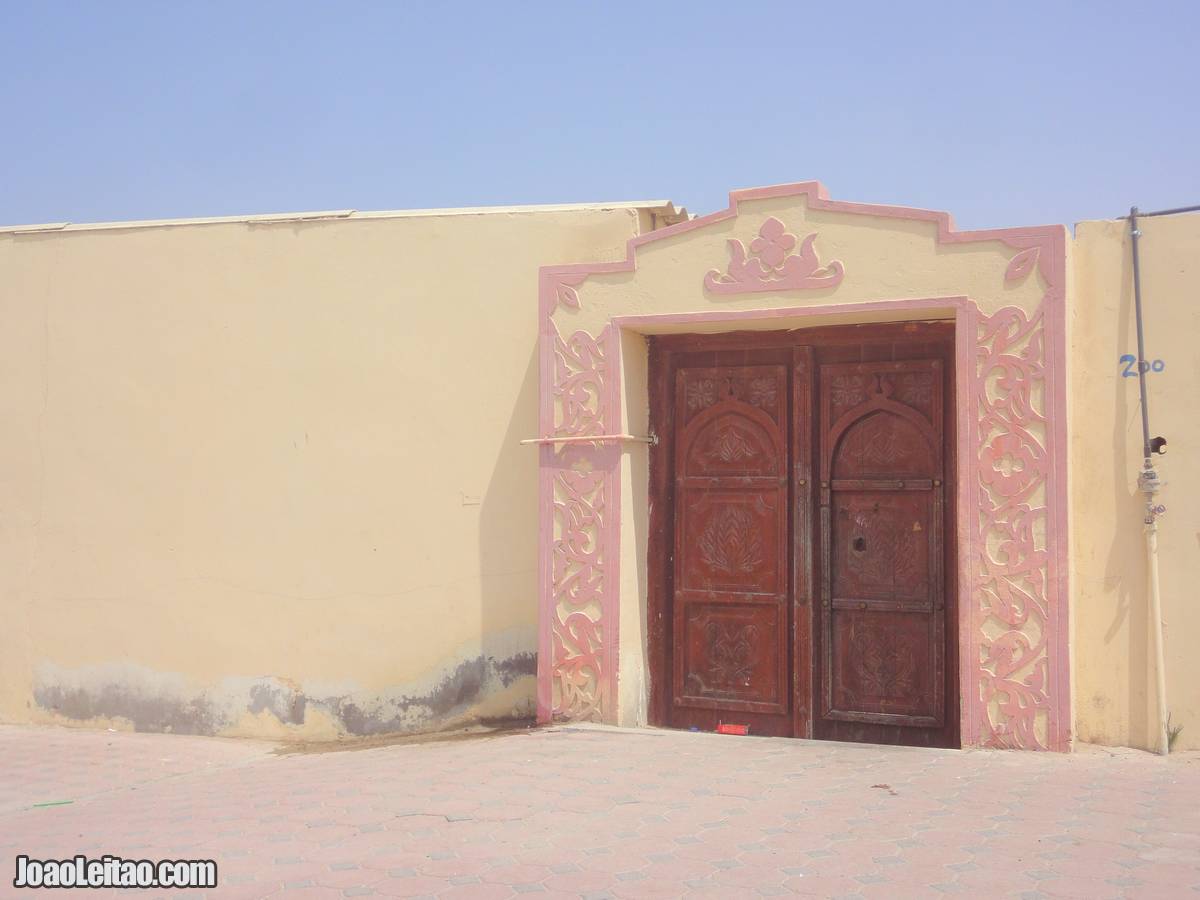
1129 359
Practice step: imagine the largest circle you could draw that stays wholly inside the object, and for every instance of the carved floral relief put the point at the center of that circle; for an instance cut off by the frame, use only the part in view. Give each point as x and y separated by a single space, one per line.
731 541
732 653
770 264
1011 594
884 662
581 506
731 444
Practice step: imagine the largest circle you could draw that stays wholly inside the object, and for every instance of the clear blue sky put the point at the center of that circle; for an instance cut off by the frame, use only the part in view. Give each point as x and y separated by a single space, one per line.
1003 113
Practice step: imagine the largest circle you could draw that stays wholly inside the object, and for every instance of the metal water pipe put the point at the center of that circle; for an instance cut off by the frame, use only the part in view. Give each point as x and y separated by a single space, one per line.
1149 483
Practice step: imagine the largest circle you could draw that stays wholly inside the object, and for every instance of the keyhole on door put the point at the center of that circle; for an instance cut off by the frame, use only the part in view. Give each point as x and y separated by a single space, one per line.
859 544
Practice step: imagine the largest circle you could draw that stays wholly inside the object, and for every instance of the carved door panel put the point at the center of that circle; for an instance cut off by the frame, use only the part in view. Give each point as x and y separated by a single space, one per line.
800 529
882 617
730 615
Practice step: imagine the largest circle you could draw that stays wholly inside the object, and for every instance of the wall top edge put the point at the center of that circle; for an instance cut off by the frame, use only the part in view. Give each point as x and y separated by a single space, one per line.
665 208
1143 219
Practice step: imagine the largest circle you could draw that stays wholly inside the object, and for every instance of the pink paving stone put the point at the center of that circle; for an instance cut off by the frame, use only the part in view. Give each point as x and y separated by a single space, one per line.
632 890
715 891
390 859
380 842
503 813
1169 856
912 890
544 856
768 858
827 865
762 789
450 868
1104 832
678 871
348 878
517 875
253 891
934 855
1099 866
988 882
823 885
750 877
1006 847
579 882
412 822
411 886
1176 839
1082 888
604 862
482 892
1167 873
437 840
307 893
1155 892
270 849
865 850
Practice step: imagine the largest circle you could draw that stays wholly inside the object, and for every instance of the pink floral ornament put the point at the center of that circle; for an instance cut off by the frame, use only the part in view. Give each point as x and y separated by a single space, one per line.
773 244
771 265
1008 465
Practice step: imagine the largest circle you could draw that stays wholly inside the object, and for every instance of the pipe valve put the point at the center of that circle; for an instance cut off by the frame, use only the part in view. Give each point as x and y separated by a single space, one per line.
1148 481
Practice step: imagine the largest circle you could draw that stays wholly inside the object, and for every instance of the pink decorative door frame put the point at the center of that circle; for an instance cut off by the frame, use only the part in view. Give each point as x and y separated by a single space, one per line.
1014 664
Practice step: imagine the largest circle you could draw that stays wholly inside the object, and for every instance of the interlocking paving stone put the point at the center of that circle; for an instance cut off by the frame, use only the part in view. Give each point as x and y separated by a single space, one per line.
693 814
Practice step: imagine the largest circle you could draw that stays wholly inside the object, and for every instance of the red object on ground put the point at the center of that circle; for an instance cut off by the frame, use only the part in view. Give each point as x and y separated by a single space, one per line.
733 729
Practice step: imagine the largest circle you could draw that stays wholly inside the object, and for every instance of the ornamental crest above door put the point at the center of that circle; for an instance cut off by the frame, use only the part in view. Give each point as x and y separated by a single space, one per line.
770 264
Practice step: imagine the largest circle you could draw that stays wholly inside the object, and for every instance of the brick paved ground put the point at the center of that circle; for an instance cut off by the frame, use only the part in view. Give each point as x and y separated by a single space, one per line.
605 813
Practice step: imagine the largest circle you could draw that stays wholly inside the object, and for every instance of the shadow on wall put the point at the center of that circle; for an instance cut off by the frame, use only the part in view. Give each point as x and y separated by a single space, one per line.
635 661
508 556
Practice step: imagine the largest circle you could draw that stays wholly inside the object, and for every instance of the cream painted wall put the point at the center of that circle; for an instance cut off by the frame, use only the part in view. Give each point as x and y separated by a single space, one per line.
633 687
265 479
1114 677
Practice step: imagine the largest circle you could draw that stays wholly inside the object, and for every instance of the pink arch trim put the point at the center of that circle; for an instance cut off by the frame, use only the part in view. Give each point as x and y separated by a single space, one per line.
982 341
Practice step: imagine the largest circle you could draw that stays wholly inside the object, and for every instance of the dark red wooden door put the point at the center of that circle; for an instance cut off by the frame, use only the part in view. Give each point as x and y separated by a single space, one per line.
881 632
800 534
730 611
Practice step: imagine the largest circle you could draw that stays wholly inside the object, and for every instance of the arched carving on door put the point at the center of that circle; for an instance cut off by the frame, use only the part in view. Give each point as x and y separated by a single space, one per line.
882 606
729 613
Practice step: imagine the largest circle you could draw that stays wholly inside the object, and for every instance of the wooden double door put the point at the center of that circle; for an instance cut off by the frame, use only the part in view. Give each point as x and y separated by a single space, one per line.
802 533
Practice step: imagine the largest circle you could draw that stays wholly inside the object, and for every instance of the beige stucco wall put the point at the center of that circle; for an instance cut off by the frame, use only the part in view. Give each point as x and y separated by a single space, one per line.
265 479
1114 676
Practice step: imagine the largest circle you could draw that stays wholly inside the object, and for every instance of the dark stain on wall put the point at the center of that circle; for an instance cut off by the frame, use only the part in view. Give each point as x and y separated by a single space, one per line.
285 704
516 666
466 684
159 713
